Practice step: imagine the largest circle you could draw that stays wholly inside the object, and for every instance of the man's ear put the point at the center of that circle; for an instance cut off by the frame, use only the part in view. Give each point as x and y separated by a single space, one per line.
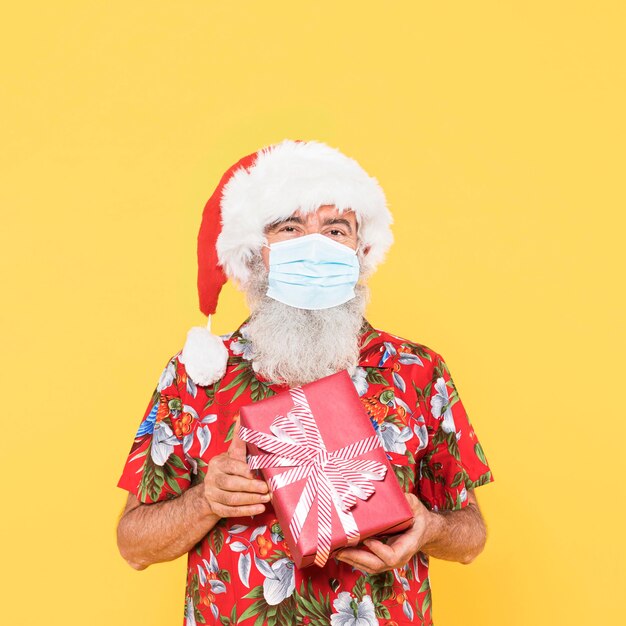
366 250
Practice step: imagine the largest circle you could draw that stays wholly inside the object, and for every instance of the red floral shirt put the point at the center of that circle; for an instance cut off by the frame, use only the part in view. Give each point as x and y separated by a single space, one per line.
242 572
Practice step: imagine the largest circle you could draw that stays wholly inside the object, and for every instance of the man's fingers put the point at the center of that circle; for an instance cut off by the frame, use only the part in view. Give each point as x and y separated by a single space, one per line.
386 553
229 482
224 510
402 544
236 467
362 558
237 498
360 566
237 448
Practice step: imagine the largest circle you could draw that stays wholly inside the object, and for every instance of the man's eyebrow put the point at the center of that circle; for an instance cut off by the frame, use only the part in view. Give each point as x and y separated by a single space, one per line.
276 224
339 220
299 220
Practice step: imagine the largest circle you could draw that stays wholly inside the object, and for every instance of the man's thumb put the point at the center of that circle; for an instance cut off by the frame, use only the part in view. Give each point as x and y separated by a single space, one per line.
237 448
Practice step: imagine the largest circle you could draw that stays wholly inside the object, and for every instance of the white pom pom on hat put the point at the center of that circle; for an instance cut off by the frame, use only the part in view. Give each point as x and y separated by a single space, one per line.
261 188
205 356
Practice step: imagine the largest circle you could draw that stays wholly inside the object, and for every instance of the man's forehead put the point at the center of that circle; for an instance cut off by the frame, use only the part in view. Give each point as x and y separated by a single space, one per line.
327 215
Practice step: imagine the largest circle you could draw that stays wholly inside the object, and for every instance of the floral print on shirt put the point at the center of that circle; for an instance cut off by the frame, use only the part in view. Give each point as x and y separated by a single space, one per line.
242 570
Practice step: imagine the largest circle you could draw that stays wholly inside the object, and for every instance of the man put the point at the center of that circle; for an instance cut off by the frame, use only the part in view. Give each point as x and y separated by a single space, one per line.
299 226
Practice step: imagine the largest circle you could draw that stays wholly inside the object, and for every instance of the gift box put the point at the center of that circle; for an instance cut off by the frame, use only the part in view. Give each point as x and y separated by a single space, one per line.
332 485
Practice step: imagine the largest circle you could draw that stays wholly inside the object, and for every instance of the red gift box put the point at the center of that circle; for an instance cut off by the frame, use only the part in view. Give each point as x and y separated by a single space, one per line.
331 481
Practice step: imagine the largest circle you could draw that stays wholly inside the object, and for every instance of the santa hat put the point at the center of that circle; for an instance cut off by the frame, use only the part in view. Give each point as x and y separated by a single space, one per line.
263 187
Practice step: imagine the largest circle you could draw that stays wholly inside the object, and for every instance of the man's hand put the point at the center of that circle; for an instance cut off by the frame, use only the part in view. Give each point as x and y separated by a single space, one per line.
162 531
229 485
458 535
398 551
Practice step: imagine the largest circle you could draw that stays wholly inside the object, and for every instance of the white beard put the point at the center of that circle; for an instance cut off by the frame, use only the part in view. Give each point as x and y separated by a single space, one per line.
296 346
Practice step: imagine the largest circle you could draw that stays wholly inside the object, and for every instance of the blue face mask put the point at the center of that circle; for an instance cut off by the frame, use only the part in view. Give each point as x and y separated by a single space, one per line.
312 272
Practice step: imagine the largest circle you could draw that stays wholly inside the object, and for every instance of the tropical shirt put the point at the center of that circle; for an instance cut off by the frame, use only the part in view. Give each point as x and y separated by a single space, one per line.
242 572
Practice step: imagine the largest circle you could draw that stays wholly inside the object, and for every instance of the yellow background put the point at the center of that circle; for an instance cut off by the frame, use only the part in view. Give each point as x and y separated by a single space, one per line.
497 131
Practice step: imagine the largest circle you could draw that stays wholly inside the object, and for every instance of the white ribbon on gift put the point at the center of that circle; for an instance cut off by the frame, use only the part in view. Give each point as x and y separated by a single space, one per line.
336 478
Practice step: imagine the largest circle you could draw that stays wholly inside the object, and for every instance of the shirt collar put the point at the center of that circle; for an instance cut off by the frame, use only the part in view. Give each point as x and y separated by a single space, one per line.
373 351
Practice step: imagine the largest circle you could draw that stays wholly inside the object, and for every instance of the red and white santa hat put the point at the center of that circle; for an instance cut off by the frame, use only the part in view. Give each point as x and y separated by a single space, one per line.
263 187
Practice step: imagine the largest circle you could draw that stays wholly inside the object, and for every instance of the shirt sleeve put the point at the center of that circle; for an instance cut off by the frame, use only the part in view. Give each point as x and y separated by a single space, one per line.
157 467
454 460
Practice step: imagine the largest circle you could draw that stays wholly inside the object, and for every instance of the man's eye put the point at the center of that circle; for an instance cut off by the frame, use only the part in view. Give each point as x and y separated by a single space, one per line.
336 231
286 227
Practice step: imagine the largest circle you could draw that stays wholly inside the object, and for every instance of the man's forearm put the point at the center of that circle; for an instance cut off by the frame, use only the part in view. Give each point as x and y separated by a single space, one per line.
153 533
456 535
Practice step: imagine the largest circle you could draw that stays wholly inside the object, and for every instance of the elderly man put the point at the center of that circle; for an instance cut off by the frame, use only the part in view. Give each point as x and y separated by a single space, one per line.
299 226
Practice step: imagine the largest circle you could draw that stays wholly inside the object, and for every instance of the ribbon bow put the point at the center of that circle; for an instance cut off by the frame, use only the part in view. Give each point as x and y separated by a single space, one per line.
336 478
